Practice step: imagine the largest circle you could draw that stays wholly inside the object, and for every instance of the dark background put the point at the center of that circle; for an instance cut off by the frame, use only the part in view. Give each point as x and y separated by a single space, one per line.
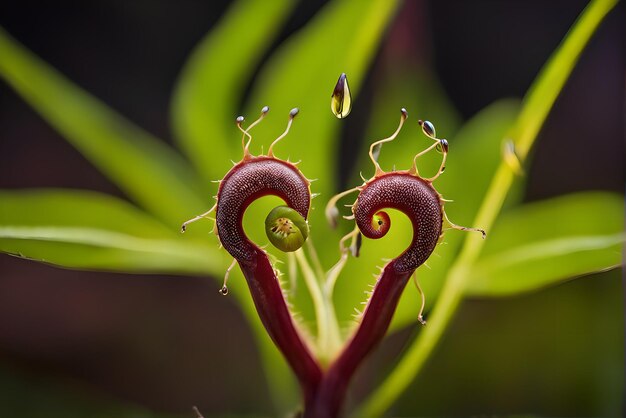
162 343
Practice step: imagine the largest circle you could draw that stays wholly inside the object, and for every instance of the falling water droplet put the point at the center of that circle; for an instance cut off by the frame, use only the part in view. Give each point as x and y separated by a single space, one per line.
341 100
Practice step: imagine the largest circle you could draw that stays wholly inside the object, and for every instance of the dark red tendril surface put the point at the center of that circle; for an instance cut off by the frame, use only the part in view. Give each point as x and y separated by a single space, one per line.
248 181
411 195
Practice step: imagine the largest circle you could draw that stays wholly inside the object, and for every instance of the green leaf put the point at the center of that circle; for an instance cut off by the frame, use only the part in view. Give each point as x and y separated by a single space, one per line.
208 93
142 166
87 230
542 244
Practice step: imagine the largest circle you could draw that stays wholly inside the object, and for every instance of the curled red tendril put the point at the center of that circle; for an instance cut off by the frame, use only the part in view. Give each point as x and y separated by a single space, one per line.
248 181
411 195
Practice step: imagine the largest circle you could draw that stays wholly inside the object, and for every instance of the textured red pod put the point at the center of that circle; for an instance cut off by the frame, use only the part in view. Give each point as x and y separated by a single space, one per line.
248 181
420 202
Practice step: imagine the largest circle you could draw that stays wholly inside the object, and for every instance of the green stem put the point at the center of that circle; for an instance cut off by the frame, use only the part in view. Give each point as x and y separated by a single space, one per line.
327 326
317 265
334 334
537 104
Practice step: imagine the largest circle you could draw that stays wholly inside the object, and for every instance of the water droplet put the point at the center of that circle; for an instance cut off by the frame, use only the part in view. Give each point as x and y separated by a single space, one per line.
356 248
428 128
511 158
442 146
332 215
224 290
341 100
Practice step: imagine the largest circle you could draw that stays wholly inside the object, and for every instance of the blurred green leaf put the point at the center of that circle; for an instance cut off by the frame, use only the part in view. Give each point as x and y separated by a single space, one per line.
208 93
582 213
533 266
543 243
87 230
142 166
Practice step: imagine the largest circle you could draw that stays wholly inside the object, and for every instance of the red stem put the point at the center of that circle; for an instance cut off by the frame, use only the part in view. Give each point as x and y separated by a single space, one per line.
249 180
376 320
272 309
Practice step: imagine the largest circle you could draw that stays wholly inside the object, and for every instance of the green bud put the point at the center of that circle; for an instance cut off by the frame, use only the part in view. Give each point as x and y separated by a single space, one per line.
286 229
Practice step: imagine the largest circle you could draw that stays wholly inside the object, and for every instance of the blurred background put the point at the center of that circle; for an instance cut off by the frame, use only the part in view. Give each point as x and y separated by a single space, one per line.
76 343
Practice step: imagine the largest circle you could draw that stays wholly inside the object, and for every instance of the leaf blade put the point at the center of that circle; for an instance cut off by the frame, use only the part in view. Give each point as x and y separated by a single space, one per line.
89 230
205 100
99 249
567 236
141 165
545 264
